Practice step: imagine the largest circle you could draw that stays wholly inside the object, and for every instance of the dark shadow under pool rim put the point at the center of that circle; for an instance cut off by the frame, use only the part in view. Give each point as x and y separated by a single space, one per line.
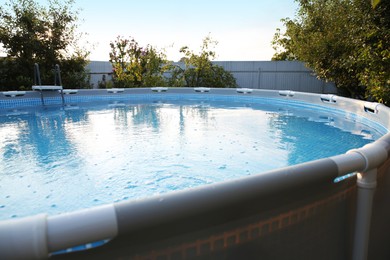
297 212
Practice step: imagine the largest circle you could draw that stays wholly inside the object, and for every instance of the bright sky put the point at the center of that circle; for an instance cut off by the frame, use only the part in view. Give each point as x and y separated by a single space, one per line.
243 28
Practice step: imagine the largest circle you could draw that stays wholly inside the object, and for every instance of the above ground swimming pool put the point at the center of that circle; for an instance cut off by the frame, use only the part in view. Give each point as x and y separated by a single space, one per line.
152 165
59 159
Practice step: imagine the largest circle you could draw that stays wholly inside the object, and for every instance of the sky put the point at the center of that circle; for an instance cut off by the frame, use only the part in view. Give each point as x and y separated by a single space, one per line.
243 28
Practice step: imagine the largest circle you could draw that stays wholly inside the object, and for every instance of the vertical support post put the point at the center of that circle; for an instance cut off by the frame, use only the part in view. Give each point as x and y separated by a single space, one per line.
366 184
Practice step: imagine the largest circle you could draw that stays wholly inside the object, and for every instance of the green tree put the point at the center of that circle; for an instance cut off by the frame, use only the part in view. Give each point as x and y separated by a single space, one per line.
199 69
31 33
136 66
346 42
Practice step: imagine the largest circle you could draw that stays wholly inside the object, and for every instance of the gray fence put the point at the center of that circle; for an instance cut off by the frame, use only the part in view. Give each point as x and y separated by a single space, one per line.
99 70
275 75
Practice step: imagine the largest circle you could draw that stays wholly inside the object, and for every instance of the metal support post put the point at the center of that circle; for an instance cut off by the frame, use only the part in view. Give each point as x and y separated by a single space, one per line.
366 184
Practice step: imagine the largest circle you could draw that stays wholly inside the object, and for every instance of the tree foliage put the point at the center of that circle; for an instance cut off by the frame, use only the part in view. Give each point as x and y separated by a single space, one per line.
344 41
136 66
31 33
199 69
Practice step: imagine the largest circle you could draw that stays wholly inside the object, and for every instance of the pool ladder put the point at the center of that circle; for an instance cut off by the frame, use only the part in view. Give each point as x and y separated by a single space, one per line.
41 88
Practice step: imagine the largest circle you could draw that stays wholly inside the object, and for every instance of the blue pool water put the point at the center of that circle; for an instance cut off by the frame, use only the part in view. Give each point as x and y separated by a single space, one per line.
57 159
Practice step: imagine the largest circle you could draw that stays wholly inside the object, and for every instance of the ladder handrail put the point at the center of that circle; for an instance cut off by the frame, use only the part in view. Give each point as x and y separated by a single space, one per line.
57 81
57 75
37 75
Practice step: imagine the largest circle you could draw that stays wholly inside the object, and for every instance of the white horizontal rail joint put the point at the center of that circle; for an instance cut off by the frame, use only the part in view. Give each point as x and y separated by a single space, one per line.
373 154
371 107
81 227
24 238
328 98
286 93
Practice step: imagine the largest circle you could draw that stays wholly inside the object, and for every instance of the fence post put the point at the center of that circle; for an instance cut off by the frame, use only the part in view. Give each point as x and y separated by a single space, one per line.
366 184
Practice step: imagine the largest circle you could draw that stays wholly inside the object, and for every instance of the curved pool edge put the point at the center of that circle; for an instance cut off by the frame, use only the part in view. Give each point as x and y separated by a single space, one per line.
176 213
371 110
